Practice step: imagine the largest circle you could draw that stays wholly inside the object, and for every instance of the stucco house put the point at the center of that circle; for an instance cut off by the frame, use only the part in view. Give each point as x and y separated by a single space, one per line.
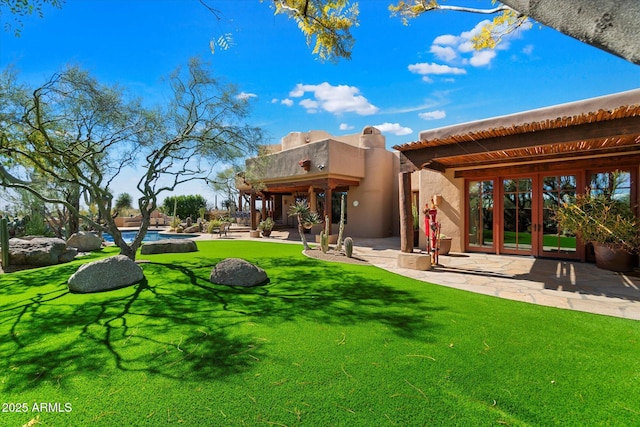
501 178
497 181
320 168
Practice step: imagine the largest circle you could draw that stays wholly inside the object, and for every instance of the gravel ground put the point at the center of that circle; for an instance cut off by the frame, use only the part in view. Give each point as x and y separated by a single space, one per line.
334 256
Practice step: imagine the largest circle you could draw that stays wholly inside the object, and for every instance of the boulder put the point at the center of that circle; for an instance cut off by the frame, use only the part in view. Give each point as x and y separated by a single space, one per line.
84 242
105 274
238 272
169 246
40 251
192 229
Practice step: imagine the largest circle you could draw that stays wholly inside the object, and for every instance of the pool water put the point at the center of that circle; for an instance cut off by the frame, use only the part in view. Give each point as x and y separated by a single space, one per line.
151 236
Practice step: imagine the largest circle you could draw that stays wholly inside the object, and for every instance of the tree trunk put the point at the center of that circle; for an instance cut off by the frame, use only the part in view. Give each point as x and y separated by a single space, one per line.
611 25
301 231
406 215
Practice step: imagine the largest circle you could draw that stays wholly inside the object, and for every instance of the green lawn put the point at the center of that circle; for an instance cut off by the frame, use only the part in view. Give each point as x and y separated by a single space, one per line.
321 345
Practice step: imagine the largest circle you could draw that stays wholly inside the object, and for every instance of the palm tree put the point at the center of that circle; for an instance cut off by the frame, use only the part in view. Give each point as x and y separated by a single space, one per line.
306 219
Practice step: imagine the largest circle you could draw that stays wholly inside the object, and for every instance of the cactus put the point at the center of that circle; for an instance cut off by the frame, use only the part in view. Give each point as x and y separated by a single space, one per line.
324 235
4 241
343 206
348 247
324 242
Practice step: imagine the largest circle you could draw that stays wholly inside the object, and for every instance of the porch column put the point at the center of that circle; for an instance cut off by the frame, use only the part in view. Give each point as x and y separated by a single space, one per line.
252 210
313 200
265 201
327 204
406 216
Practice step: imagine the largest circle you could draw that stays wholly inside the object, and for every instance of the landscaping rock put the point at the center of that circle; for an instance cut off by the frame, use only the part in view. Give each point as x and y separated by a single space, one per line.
40 251
105 274
85 242
192 229
169 246
238 272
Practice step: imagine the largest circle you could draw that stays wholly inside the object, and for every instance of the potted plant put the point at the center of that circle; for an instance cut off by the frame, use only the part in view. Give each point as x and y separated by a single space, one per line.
266 226
444 244
607 223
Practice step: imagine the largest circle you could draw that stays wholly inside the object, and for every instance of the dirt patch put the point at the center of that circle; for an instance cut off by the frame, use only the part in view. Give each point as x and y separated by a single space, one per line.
334 256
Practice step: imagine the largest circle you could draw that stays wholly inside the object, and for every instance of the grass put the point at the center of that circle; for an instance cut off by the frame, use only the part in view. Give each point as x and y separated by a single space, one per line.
321 345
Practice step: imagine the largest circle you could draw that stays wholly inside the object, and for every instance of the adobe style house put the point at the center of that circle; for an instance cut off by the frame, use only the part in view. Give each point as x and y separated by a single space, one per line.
319 168
499 180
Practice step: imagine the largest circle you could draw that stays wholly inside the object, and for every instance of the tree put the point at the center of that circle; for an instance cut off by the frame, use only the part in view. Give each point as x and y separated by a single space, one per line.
611 25
225 182
123 202
186 206
306 219
76 131
22 8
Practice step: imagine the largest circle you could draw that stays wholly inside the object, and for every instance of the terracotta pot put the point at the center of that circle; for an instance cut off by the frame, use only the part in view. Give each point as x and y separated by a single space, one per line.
613 259
445 246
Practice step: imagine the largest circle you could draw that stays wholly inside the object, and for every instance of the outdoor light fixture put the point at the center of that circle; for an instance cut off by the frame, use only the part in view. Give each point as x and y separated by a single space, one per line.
320 167
356 203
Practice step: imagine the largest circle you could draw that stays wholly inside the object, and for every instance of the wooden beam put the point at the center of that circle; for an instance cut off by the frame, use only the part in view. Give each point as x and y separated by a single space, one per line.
588 131
590 163
406 215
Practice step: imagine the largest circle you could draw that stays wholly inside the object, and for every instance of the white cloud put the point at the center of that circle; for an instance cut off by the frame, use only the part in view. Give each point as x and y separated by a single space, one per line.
446 39
443 53
394 128
344 126
246 96
528 49
334 99
482 57
310 105
288 102
433 115
424 68
459 49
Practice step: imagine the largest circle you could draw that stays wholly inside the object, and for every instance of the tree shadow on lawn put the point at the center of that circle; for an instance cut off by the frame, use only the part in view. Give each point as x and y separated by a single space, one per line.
181 326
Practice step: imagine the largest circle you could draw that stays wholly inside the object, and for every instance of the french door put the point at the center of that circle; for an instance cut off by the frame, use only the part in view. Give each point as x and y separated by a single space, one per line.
516 215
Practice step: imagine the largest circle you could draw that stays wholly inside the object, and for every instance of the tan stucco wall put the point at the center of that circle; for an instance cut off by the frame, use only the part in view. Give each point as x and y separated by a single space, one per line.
451 208
376 196
361 157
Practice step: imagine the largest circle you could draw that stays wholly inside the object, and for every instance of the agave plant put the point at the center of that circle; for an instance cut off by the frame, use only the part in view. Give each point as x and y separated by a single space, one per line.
306 219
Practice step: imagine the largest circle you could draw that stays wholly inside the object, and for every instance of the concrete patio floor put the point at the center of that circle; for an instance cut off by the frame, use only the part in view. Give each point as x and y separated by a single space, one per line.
555 283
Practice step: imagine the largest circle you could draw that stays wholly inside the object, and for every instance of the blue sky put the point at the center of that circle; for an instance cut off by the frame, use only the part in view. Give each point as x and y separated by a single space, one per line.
402 79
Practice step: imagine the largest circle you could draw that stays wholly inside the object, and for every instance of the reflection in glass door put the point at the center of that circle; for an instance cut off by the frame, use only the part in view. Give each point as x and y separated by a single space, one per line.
517 215
480 224
555 191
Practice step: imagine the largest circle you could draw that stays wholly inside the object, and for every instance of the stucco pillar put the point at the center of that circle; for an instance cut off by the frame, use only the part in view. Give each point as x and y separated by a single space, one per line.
406 216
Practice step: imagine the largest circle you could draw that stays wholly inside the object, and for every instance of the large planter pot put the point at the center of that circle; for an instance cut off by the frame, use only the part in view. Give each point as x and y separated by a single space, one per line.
613 259
266 233
445 246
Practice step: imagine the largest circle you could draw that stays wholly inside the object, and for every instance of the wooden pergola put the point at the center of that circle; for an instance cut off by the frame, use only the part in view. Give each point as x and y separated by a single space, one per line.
598 131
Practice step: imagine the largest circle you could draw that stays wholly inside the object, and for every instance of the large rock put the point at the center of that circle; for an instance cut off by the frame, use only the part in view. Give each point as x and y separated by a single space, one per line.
84 242
105 274
169 246
40 251
238 272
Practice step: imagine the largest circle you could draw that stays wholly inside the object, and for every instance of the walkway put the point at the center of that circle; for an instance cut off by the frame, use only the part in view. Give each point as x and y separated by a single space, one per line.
554 283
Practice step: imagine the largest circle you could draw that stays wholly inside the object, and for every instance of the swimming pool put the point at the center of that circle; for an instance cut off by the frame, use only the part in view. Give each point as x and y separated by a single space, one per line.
151 236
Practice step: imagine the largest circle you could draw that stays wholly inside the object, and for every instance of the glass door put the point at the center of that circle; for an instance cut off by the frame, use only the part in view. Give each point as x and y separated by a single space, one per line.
554 242
517 216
